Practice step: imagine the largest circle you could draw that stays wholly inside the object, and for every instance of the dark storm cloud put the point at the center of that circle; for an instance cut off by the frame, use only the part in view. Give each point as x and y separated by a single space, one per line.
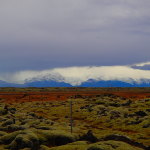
42 34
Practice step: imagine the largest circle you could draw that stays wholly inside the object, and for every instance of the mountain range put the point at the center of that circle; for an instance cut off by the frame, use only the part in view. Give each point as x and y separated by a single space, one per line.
89 83
136 75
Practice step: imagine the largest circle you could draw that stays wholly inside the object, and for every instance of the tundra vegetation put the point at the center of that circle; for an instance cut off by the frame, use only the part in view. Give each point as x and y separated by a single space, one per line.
101 122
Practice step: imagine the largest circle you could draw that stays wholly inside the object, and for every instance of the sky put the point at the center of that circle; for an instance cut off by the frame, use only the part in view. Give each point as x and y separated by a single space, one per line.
38 35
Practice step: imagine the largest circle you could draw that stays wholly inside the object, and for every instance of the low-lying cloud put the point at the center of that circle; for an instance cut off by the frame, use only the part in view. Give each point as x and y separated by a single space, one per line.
142 64
77 75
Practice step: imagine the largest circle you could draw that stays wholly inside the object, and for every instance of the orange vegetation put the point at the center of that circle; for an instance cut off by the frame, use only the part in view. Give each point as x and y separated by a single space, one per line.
64 95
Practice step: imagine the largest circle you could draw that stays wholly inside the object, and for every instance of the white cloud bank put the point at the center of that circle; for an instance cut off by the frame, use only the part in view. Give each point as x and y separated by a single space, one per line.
142 64
77 75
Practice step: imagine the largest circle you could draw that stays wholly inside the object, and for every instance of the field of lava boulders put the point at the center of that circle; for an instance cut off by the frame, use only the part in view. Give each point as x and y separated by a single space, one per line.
101 122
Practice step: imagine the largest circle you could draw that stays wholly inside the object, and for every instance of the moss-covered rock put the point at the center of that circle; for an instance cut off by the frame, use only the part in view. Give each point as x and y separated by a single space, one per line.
25 140
55 138
8 122
3 111
112 145
2 133
14 127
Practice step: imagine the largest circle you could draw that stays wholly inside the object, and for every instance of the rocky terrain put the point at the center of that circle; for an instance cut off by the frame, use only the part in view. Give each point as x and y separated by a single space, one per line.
101 122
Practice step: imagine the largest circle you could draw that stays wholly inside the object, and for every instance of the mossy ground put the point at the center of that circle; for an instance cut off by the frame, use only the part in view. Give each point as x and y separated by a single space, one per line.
46 125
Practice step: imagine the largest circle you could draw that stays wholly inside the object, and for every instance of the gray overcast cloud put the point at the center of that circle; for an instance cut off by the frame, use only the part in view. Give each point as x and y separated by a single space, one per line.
44 34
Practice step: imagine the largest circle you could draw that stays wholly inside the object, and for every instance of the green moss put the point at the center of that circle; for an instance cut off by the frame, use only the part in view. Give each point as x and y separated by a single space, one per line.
3 111
25 140
43 147
100 119
55 137
8 138
112 145
2 133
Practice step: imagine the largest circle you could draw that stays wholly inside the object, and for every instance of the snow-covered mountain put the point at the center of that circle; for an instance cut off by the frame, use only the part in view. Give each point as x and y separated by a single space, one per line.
89 83
136 75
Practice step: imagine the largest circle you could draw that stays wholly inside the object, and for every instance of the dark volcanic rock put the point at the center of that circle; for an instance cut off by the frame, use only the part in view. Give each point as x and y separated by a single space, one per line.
127 103
141 113
3 111
89 137
125 139
14 127
8 122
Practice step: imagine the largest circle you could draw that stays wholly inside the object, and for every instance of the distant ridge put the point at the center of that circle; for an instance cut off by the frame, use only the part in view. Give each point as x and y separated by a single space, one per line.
113 83
89 83
6 84
135 75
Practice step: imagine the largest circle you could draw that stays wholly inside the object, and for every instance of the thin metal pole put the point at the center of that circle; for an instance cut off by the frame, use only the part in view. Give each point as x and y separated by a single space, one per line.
71 121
